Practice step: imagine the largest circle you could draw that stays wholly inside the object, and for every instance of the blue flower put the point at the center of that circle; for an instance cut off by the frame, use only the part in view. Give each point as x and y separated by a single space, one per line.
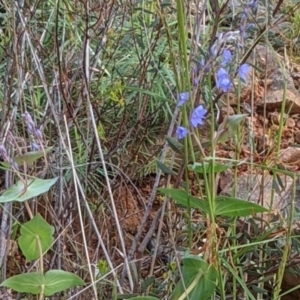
226 59
253 4
35 147
244 69
197 116
181 132
250 26
244 15
182 98
223 80
250 8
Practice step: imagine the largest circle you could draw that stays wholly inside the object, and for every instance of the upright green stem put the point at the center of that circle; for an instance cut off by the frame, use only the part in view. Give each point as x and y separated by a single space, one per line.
211 191
41 296
184 63
185 85
234 191
287 246
41 264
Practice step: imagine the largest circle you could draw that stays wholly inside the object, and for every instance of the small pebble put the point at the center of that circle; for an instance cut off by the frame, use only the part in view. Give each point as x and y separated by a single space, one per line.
274 117
274 128
297 137
263 142
287 133
264 121
290 123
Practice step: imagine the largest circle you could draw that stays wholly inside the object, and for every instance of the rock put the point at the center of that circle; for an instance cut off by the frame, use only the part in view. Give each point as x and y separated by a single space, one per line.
290 122
267 59
263 120
225 179
287 133
274 117
274 128
274 100
249 187
297 137
290 280
290 157
278 80
263 143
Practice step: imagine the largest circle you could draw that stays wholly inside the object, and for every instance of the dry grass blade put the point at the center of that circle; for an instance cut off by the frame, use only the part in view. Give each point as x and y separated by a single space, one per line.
76 185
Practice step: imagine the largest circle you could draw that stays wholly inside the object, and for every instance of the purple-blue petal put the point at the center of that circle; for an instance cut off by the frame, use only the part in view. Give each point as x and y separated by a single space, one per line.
35 147
253 4
197 116
226 57
223 81
181 132
243 71
224 84
183 98
222 72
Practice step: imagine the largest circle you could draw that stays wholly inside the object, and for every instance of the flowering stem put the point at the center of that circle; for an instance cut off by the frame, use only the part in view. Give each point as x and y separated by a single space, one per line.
211 190
187 187
184 70
184 83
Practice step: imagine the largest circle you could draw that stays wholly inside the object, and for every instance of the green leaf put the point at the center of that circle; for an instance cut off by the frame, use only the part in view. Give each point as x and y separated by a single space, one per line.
25 283
259 290
181 197
175 145
199 278
144 298
36 235
206 166
225 206
29 157
58 280
229 127
32 188
235 120
147 283
164 168
126 296
222 135
35 283
233 207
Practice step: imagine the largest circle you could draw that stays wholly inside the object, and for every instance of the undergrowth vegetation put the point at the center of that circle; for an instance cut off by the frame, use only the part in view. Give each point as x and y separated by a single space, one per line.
141 155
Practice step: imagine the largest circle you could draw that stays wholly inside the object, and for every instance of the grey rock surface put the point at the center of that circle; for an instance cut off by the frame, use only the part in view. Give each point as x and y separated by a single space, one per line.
280 82
275 193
